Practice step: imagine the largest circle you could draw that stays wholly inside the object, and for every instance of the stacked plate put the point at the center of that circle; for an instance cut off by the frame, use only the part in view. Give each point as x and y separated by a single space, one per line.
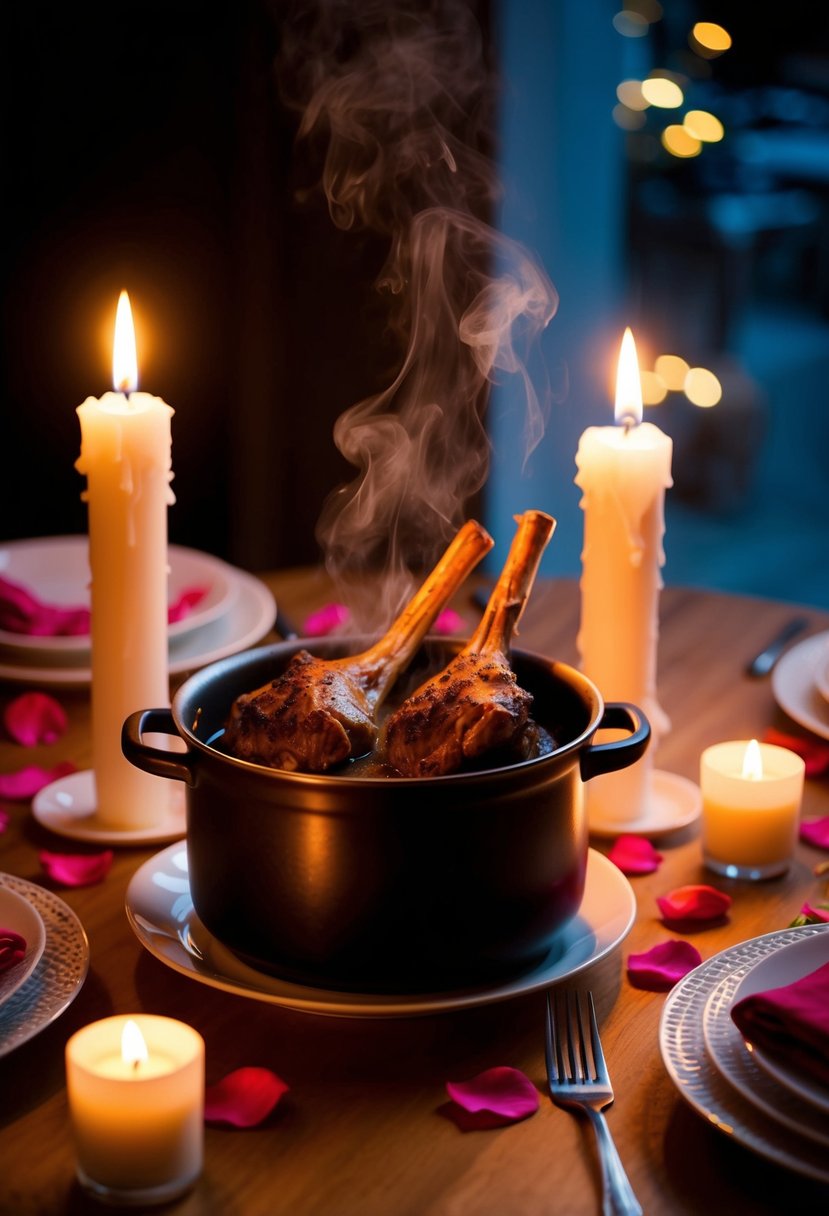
766 1106
235 611
800 682
35 991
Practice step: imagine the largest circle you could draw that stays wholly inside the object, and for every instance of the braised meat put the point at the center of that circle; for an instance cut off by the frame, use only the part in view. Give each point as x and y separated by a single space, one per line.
474 706
320 712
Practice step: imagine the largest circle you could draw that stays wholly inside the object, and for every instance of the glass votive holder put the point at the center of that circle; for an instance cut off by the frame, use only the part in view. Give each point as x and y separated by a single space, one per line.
136 1101
751 795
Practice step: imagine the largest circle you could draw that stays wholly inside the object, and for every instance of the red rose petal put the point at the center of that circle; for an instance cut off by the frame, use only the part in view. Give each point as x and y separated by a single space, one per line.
448 622
658 969
325 621
815 914
35 717
76 869
635 855
243 1098
12 949
186 602
26 782
816 832
813 752
504 1092
694 903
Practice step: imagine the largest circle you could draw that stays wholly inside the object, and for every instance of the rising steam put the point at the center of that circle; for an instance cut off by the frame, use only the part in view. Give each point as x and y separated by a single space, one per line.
397 97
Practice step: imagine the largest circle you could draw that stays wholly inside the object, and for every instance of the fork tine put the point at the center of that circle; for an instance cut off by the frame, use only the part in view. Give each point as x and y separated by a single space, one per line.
602 1074
550 1042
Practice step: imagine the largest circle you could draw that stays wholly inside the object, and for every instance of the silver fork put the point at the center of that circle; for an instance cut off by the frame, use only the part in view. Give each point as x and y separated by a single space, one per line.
577 1077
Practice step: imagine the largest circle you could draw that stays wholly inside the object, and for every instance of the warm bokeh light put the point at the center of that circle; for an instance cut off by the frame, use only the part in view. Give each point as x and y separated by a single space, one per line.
133 1047
628 120
753 762
654 388
124 357
702 387
662 92
629 93
679 142
672 371
710 38
630 25
628 383
703 125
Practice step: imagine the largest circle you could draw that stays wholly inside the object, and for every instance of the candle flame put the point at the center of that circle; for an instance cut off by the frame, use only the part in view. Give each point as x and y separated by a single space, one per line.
124 357
753 762
133 1047
628 384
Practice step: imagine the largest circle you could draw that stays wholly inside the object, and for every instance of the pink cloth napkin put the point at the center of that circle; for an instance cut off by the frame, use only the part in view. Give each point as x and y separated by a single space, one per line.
23 612
791 1023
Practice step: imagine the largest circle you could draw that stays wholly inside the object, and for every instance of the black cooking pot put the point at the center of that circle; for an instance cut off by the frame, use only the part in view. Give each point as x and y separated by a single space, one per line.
382 883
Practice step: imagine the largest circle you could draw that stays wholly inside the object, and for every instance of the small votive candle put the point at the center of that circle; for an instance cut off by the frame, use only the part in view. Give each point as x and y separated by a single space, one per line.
136 1100
751 794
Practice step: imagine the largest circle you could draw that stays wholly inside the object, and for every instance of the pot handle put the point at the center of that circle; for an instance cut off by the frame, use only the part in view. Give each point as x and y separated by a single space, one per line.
181 766
608 757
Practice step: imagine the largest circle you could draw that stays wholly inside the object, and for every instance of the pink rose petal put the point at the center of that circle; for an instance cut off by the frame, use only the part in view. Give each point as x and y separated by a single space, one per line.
186 602
635 855
25 782
694 903
503 1092
35 717
76 869
325 620
658 969
243 1098
813 752
814 914
12 949
816 832
448 622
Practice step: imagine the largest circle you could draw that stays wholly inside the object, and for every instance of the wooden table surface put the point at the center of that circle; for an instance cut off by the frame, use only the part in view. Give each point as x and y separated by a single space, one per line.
362 1129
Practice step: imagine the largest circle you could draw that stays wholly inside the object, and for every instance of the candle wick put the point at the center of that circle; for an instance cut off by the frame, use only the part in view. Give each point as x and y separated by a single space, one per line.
135 1065
629 422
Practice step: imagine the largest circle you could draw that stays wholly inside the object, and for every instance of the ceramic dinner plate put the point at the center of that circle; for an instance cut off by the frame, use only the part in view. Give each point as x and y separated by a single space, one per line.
160 911
59 975
250 615
786 1103
56 570
794 687
18 914
702 1084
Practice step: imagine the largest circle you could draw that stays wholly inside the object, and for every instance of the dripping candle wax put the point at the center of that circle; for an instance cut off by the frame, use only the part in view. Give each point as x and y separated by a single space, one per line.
623 472
126 457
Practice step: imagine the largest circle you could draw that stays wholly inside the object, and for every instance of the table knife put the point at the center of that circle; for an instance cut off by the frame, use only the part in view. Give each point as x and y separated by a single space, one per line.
763 662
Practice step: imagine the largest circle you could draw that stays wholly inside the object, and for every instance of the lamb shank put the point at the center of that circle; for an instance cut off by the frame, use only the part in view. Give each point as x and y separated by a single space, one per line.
321 712
475 704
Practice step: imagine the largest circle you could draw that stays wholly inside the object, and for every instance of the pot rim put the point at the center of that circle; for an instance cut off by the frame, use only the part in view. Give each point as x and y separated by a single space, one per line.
591 697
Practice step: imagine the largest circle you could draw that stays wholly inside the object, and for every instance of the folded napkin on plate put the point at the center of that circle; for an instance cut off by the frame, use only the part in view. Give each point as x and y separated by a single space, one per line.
791 1023
23 612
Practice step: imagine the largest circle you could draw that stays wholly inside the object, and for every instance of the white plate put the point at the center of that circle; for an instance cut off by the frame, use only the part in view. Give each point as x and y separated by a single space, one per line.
68 808
822 673
784 967
17 913
682 1044
794 688
58 977
56 570
251 614
786 1103
160 911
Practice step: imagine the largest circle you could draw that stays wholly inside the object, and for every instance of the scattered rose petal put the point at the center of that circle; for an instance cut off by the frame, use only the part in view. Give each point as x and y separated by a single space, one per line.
816 832
5 820
448 622
814 915
243 1098
325 620
26 782
693 903
502 1093
12 949
23 612
186 602
634 855
76 869
813 752
658 969
35 717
